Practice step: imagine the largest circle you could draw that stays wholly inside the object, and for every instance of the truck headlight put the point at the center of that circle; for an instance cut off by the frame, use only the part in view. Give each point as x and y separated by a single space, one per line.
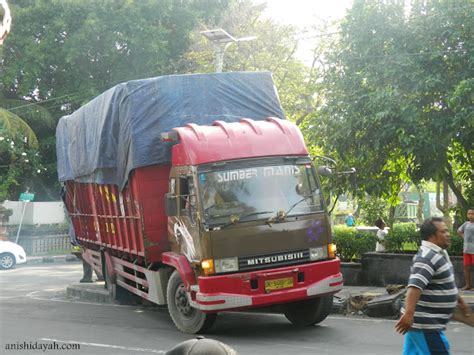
207 266
318 253
332 250
226 265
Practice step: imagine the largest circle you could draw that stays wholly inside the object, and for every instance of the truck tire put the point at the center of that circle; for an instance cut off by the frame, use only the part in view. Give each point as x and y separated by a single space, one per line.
308 312
186 318
7 261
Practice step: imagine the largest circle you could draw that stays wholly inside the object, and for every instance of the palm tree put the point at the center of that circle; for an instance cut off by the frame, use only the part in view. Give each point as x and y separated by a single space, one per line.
12 125
26 118
21 123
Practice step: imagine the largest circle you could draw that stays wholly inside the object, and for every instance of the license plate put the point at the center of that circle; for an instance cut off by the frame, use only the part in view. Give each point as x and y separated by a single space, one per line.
278 284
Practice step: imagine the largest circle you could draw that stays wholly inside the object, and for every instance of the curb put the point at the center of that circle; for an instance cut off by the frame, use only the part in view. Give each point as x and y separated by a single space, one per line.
94 292
32 260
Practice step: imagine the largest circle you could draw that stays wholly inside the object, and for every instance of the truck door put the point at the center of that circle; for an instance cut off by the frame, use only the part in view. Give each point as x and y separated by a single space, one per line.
186 228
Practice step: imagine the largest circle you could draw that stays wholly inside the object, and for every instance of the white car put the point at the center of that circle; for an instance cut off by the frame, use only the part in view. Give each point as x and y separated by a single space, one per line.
11 254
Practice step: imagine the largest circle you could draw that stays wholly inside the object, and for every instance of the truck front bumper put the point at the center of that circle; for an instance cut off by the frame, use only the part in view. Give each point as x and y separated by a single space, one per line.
251 289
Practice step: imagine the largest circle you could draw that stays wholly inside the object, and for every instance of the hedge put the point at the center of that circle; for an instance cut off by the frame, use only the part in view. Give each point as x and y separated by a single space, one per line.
400 235
402 238
352 244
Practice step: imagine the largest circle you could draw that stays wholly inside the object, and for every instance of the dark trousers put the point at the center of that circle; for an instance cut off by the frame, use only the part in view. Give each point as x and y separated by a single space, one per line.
87 270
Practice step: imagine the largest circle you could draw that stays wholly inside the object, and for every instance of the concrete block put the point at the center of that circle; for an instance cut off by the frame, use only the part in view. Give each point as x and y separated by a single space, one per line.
89 293
339 305
386 305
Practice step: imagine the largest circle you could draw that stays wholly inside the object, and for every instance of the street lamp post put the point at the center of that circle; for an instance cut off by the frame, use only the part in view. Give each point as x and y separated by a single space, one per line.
221 41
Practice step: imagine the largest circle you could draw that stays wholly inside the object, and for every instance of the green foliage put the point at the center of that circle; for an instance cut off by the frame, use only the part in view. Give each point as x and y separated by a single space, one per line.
400 235
12 125
19 166
456 247
372 209
398 95
352 244
74 50
63 53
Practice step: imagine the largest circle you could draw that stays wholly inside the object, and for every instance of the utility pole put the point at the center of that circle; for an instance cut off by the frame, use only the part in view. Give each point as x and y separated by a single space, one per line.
221 41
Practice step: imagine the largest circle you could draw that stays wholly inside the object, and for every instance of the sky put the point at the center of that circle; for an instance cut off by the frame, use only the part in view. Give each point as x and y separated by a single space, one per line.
305 14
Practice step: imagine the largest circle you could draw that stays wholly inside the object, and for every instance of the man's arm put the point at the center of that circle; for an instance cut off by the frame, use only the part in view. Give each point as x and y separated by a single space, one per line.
460 230
406 320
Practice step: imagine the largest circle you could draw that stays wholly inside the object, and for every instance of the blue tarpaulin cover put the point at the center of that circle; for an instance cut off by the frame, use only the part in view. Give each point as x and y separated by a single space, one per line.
120 129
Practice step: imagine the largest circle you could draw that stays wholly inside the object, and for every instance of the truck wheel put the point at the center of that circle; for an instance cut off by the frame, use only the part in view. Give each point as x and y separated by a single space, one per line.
308 312
7 261
186 318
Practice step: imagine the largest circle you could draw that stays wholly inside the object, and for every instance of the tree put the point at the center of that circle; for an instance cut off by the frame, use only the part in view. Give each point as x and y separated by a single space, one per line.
39 125
61 54
12 125
19 162
398 95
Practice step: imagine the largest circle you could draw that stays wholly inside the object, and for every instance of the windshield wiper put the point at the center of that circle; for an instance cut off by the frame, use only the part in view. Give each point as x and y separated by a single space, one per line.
253 214
234 219
298 202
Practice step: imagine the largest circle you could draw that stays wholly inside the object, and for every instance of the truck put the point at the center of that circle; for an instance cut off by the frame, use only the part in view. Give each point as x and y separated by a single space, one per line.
193 191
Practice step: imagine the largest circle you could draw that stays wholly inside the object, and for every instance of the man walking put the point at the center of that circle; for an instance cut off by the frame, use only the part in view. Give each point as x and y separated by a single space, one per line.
432 295
467 232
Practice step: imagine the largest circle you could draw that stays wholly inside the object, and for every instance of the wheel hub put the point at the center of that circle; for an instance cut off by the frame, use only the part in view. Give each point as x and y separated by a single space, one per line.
6 262
181 301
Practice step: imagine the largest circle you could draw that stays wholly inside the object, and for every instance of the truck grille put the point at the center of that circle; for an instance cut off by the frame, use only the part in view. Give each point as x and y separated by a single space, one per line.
273 260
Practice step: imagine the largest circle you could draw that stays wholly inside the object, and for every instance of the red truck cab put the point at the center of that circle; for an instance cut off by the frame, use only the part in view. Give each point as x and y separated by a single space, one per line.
246 212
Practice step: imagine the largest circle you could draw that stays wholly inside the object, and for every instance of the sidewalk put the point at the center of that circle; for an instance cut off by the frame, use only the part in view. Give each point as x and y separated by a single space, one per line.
30 260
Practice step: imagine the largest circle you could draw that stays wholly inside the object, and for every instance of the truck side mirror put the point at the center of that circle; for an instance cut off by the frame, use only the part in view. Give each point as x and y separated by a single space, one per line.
171 204
323 170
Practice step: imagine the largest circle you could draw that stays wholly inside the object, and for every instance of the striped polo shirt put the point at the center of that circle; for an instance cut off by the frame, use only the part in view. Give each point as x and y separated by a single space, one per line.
432 272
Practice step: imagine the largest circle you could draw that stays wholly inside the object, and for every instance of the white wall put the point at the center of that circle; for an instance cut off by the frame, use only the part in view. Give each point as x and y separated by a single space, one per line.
36 212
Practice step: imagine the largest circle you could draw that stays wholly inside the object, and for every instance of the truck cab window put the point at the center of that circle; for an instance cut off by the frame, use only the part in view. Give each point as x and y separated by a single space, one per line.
183 193
187 200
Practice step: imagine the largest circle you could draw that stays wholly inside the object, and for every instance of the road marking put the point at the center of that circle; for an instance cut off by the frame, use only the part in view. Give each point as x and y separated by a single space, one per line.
31 293
105 346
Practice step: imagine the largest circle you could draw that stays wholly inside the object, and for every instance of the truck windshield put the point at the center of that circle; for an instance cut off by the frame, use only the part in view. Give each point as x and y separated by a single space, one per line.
258 192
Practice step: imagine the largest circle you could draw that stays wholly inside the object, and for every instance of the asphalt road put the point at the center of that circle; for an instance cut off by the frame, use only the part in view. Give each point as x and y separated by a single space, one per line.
35 311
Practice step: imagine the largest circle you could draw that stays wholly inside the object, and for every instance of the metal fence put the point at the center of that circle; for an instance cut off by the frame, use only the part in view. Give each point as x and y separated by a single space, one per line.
45 244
